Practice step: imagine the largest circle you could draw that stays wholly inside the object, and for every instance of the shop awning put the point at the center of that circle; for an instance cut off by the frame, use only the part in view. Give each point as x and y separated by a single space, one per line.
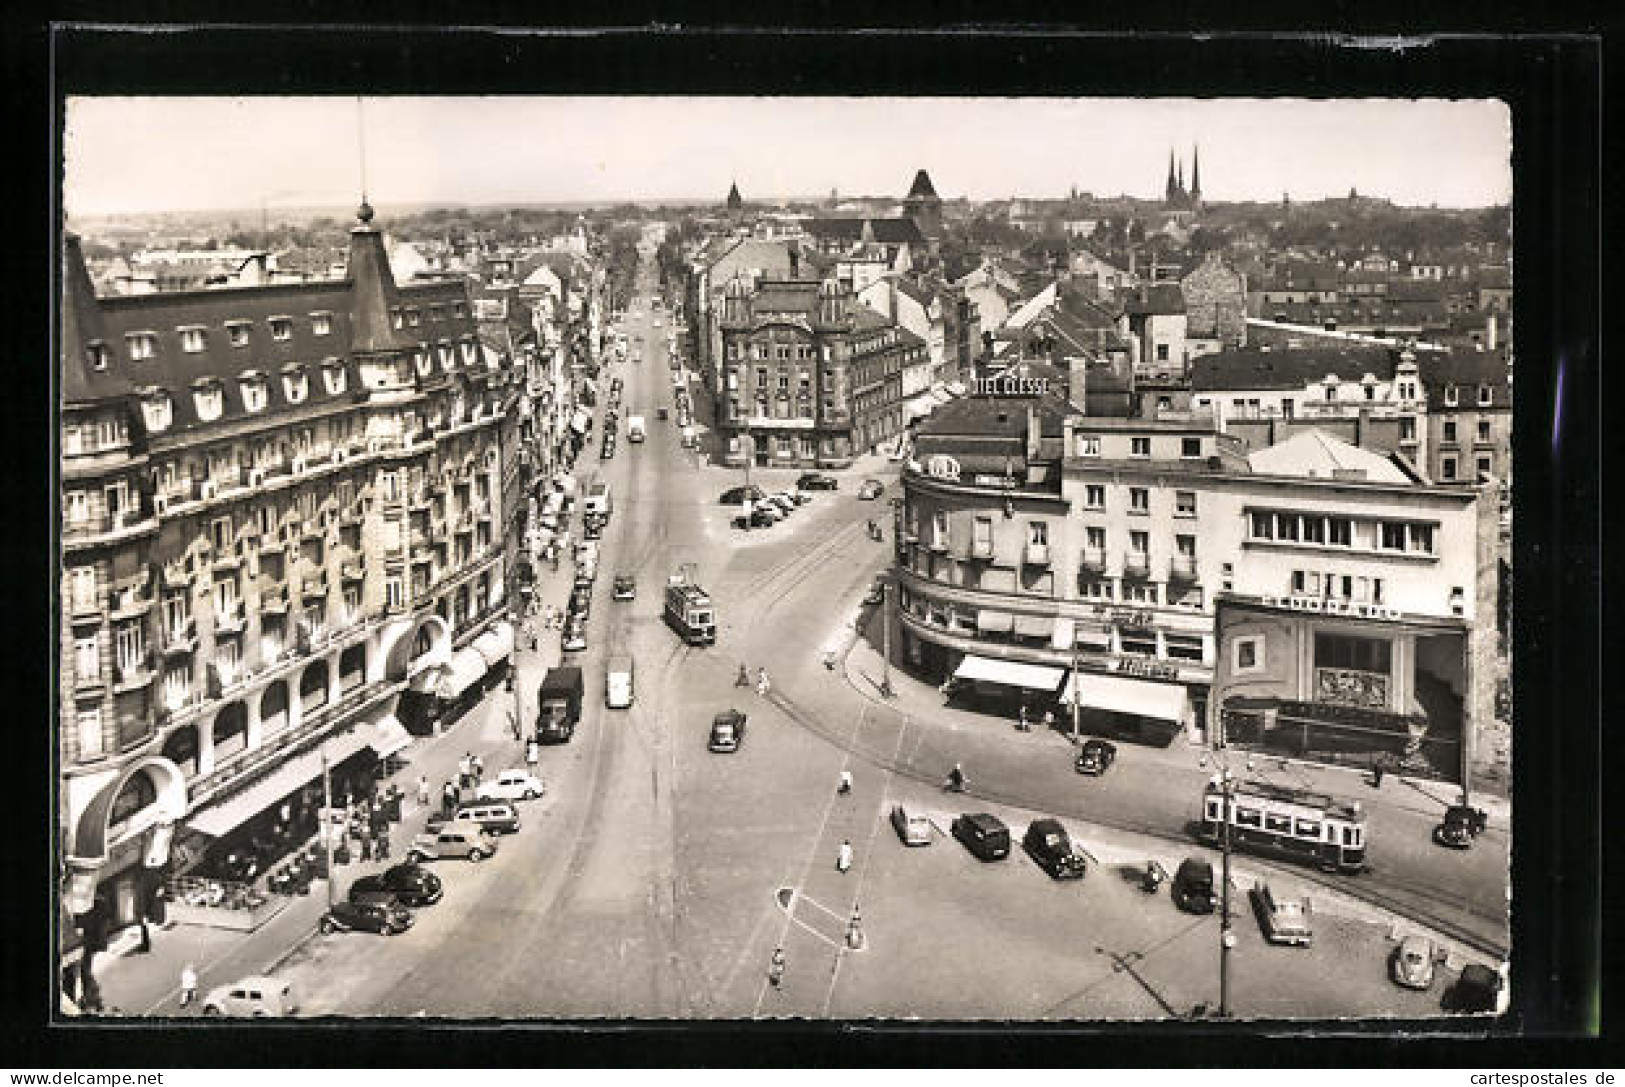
222 818
1138 697
388 736
1035 626
495 644
1036 677
465 669
995 622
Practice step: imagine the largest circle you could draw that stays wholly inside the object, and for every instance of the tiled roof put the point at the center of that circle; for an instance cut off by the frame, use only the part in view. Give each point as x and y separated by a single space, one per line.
988 419
1159 299
1467 370
1240 369
886 231
785 296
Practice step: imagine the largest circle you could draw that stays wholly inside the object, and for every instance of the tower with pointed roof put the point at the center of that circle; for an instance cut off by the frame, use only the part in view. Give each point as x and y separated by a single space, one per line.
736 203
923 205
1196 177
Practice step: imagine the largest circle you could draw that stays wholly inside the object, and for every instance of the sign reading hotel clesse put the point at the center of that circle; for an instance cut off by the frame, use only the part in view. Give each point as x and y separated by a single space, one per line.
1007 386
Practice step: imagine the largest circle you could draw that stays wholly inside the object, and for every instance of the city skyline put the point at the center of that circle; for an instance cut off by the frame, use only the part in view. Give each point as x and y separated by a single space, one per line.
141 155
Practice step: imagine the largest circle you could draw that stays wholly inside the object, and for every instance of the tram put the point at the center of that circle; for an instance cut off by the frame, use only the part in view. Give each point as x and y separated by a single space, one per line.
1296 823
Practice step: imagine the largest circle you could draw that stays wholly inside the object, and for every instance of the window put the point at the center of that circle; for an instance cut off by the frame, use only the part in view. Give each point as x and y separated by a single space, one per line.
1346 651
1185 546
1314 530
220 533
193 340
295 385
391 486
1486 466
1139 499
1139 447
1162 352
1088 445
281 328
130 646
321 324
254 394
1407 429
83 582
73 439
1190 447
394 592
90 734
1338 531
939 528
982 535
158 411
78 507
333 376
1139 543
1095 537
1452 396
1187 647
209 402
1037 533
1486 396
1421 538
237 333
1185 503
448 357
1393 536
1286 526
97 354
1449 431
1247 654
1094 496
1483 431
1142 643
142 345
87 659
177 610
1447 468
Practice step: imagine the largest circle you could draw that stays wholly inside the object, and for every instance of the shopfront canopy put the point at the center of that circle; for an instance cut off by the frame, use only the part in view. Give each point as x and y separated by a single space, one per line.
1035 677
1119 694
495 645
464 670
388 736
220 819
1035 626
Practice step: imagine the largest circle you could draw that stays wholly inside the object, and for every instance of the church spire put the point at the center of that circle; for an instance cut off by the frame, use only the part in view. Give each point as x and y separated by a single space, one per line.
1196 172
1170 191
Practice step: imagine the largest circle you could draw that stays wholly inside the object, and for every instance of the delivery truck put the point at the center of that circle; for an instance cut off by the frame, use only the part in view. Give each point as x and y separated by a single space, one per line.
558 705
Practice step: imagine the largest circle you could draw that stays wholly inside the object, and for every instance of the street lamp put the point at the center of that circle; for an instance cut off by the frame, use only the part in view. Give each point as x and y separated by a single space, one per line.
1077 696
885 638
1227 937
327 831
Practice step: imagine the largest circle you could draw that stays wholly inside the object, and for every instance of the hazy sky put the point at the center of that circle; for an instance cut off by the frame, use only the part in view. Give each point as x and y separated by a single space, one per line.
164 154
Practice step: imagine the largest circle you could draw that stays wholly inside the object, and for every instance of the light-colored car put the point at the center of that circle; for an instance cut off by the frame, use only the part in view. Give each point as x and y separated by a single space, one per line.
911 827
513 785
455 839
1412 962
1282 920
257 996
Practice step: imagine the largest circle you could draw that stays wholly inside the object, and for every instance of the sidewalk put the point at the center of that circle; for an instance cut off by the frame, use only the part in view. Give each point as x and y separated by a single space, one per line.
138 983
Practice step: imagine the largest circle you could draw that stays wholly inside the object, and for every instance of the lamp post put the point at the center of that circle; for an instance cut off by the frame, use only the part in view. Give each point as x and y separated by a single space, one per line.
1227 937
327 831
1077 697
885 638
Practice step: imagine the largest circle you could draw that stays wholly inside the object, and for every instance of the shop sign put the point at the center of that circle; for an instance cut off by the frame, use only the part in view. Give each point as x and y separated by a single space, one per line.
1149 669
1128 617
1322 606
942 466
994 481
1009 385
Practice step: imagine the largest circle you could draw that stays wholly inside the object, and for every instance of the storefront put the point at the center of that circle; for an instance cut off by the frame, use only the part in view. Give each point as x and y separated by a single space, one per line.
1141 710
1003 686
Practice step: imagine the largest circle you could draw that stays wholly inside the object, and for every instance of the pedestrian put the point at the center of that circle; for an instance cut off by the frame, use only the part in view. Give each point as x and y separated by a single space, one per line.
843 860
829 659
743 679
846 783
775 969
366 847
479 769
1021 719
448 799
1049 720
188 984
1376 776
381 849
533 755
763 684
423 790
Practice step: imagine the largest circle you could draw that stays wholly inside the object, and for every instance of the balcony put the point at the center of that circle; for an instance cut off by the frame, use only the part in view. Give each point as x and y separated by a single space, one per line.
180 639
939 544
1036 554
1182 568
274 601
979 549
352 571
231 620
128 604
314 588
136 674
1094 560
1136 564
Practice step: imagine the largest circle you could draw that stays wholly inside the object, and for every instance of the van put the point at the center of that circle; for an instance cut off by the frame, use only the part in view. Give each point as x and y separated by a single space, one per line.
984 835
493 816
598 499
618 686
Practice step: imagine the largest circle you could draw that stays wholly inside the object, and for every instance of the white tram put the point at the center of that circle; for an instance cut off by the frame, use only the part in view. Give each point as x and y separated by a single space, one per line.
1298 823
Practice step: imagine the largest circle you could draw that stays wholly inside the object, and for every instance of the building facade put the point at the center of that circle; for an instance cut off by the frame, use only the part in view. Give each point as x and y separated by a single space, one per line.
282 508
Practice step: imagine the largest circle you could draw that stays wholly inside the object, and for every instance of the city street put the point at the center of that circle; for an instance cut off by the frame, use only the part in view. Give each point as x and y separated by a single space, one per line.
647 882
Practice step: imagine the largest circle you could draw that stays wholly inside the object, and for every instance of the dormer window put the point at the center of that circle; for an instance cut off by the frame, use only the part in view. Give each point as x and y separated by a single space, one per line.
295 384
424 363
237 332
253 386
97 355
396 319
1452 396
321 324
413 318
208 399
1486 396
157 410
436 313
333 376
143 345
282 328
193 339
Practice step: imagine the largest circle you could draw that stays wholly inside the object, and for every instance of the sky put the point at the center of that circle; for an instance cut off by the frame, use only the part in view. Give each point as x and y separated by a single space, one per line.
179 154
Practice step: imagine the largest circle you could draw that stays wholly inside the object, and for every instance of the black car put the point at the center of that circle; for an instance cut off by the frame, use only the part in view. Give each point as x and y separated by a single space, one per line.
1477 990
735 496
759 518
1461 824
1096 757
368 911
984 835
813 481
412 884
1047 843
1193 886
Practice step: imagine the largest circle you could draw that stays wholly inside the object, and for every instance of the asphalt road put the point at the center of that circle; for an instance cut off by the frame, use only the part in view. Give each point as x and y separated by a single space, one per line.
646 883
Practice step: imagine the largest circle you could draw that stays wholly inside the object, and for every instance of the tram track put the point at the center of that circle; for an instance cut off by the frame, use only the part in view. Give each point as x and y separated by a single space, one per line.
1411 901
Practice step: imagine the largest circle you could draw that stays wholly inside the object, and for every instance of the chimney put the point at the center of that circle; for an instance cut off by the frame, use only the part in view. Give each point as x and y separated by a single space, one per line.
1077 382
1490 332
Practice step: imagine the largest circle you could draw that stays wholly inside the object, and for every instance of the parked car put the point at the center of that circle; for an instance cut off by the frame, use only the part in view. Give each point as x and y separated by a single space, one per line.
1047 843
1095 757
581 599
984 835
257 996
492 815
871 489
1460 825
1412 962
912 828
575 637
607 452
1477 989
1282 920
367 911
592 529
779 502
412 884
876 593
760 517
1193 886
735 496
514 784
727 731
454 839
813 481
624 588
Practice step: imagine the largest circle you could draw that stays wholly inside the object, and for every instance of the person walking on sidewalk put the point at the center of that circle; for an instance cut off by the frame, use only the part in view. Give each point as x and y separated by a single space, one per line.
188 984
775 969
478 765
763 684
448 799
843 860
423 790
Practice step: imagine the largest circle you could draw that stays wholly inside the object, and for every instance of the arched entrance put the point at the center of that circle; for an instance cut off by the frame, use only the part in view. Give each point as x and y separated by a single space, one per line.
313 687
122 833
273 707
182 749
412 647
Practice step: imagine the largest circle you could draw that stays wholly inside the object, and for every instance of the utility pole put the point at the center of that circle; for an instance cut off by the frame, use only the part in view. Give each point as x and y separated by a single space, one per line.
1077 695
1227 938
885 638
327 831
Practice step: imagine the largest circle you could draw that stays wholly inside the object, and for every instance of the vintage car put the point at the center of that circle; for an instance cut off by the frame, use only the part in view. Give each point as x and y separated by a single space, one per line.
1095 757
1282 920
1048 844
912 828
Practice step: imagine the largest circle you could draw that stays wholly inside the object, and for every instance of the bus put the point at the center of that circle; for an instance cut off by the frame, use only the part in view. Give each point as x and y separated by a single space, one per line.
1295 823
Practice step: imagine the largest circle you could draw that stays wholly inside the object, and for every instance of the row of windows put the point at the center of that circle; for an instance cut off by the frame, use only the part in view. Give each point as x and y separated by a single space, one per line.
1088 445
1314 528
1449 431
1485 466
194 339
